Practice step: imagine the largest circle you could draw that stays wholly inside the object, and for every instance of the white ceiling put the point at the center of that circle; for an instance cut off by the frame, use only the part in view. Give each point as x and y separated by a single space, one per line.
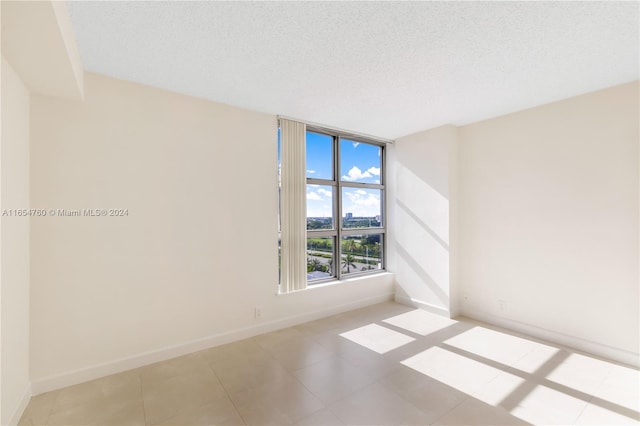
383 68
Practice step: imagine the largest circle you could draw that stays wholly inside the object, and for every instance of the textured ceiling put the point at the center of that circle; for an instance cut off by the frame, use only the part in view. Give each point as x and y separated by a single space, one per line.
383 68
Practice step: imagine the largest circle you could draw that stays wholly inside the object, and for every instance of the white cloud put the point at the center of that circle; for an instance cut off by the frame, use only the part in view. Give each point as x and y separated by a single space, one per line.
311 171
362 203
355 174
355 144
374 171
325 192
313 196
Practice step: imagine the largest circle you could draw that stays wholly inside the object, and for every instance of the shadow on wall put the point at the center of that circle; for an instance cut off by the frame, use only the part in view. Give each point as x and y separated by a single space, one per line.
421 240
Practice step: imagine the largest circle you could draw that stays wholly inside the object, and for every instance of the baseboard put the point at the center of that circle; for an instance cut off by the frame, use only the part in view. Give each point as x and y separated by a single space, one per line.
404 300
573 342
70 378
24 401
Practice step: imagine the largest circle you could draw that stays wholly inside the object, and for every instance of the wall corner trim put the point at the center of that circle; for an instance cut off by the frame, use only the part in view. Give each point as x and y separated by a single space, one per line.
24 401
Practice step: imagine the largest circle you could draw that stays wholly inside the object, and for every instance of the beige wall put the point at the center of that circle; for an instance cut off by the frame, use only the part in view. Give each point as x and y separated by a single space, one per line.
421 206
549 221
14 250
529 221
196 253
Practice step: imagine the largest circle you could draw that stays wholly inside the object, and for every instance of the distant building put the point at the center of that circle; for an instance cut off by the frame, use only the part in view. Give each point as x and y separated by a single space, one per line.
348 216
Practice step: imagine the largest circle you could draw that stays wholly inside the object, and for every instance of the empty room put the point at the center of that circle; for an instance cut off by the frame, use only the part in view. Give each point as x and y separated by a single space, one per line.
319 213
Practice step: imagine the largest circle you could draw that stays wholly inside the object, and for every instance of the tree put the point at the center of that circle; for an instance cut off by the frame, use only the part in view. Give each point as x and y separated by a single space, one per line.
349 246
348 262
313 264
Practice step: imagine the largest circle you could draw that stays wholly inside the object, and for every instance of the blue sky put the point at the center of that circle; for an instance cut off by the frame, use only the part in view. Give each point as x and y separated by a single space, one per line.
360 162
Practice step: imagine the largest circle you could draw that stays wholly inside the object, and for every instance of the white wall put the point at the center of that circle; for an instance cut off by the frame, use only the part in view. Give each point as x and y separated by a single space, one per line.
422 211
549 221
197 251
14 250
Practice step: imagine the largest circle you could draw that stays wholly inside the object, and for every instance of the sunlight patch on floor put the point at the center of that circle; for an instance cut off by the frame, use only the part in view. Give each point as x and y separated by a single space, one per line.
580 372
420 322
543 405
457 371
377 338
494 345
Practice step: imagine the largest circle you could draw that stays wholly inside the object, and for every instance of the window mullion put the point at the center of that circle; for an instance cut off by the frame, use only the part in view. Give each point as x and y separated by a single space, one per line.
337 206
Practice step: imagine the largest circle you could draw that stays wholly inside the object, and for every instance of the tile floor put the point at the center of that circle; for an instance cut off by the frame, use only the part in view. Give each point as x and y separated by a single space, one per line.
386 364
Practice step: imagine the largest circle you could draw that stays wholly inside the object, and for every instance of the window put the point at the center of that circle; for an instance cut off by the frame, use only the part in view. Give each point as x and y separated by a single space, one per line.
345 227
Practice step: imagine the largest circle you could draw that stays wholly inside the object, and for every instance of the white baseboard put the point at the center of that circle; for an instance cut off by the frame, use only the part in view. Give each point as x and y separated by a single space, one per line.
595 348
404 300
96 371
24 401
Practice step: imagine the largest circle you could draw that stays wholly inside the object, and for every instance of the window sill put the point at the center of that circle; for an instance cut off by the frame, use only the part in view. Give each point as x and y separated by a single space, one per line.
333 282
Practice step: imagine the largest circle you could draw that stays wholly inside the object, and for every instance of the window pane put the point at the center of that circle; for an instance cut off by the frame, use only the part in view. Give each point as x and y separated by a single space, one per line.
361 208
361 253
319 258
359 162
319 156
319 207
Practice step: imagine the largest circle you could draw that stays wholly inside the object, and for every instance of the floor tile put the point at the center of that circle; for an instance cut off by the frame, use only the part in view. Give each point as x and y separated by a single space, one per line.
533 402
607 415
298 353
115 399
281 402
323 417
377 312
580 372
420 322
432 397
457 371
176 367
621 387
237 355
247 374
275 339
122 387
219 412
377 405
168 398
472 412
493 345
376 365
333 378
385 364
107 412
377 338
38 410
334 322
541 360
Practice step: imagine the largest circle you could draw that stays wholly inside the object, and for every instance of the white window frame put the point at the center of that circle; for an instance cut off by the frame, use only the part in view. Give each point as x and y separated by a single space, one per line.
337 184
338 231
